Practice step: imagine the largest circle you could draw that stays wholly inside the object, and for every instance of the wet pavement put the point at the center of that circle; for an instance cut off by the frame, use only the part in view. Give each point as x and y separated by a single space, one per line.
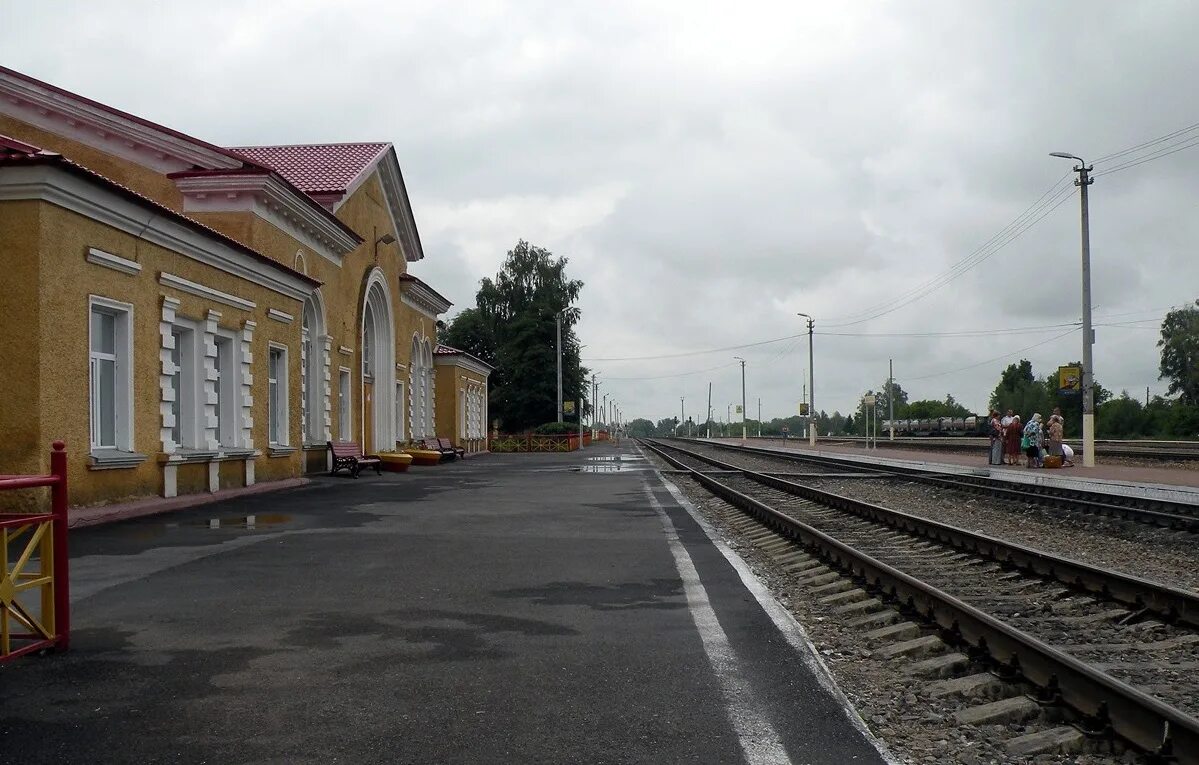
510 608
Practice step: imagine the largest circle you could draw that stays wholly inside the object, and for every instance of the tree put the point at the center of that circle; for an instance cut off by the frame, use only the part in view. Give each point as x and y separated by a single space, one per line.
641 428
1019 391
512 328
1179 345
883 401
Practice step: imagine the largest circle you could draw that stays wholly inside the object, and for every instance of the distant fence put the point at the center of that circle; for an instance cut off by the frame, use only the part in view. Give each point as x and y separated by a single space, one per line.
35 610
538 442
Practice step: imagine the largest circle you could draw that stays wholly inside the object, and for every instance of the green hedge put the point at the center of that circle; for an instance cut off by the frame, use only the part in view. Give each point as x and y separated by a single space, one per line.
556 428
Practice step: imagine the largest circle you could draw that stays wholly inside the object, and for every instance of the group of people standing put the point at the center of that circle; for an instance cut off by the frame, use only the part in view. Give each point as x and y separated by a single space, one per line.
1010 438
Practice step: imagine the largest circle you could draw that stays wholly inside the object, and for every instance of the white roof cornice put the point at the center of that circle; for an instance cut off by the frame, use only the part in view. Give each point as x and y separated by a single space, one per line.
108 130
266 196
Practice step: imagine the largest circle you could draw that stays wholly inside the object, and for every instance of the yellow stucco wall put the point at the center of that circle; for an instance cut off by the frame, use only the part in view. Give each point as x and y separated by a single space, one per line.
58 338
452 384
22 443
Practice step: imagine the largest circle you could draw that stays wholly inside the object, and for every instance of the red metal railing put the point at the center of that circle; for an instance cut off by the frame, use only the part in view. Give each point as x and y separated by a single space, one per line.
39 541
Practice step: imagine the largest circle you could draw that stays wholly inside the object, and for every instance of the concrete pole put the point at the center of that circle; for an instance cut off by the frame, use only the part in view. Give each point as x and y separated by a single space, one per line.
891 395
580 405
682 413
594 407
759 417
1088 334
743 407
708 424
558 325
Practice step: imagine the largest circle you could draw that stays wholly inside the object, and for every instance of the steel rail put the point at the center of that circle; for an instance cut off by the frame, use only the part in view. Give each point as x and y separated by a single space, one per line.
1135 716
1169 450
1168 514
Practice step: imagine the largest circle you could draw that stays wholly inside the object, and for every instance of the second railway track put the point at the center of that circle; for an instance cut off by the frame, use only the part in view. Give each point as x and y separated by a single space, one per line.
1075 631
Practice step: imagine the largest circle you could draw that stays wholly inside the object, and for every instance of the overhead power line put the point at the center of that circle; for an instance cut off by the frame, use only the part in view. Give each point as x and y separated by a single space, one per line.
1047 203
992 360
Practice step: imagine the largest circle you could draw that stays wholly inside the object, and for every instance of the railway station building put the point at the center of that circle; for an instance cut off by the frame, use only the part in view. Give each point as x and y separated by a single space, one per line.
189 317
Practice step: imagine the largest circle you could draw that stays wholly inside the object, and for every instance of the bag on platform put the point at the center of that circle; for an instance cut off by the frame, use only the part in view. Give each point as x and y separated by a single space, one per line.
1024 443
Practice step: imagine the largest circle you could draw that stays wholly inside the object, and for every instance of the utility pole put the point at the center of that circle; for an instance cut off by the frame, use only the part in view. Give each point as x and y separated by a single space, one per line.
580 423
1146 396
1088 334
708 424
759 416
594 402
682 412
891 395
743 412
558 325
604 410
813 423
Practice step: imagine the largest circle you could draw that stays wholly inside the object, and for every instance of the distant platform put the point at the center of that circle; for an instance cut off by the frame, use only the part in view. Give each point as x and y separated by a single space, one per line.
1173 484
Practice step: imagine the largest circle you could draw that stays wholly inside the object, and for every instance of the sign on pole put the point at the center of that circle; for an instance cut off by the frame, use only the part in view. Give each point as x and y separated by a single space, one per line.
738 409
1069 379
803 410
568 407
868 399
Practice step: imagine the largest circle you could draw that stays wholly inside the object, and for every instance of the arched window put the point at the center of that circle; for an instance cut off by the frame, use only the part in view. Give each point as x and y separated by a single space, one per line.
314 390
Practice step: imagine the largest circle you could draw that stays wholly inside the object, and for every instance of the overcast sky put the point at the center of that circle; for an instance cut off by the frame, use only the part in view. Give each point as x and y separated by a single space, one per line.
710 169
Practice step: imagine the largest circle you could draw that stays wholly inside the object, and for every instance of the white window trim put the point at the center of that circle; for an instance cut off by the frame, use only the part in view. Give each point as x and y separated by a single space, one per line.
281 384
123 388
345 404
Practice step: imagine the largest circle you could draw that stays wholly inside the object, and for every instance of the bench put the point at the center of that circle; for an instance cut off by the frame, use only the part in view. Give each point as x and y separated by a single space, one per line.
448 453
348 455
446 443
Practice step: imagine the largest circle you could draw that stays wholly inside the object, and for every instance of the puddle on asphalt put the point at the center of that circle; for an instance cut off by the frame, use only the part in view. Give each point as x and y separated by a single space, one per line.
247 522
611 464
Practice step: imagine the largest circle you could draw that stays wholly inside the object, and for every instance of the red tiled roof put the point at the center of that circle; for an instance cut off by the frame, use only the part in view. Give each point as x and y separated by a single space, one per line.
316 168
17 154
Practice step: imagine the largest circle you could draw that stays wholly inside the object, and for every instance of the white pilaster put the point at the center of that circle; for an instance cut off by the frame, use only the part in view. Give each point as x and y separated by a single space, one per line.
246 440
214 477
209 378
170 482
327 388
166 372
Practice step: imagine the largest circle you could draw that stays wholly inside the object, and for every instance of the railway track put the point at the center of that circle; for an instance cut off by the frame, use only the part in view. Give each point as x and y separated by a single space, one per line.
1163 451
1075 632
1159 512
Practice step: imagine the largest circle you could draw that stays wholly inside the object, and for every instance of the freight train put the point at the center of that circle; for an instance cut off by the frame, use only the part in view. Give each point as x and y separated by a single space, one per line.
975 425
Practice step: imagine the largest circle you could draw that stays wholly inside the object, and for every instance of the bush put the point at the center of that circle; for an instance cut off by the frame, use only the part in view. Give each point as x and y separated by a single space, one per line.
556 428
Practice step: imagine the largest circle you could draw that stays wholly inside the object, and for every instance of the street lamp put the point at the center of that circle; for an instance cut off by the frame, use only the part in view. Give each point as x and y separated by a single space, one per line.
558 328
813 423
743 432
1088 335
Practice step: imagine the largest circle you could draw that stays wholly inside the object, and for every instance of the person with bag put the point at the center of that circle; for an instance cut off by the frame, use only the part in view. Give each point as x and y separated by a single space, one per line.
1012 436
995 455
1031 442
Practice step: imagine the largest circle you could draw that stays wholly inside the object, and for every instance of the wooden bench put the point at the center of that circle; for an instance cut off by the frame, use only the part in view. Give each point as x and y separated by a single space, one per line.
348 455
434 445
446 443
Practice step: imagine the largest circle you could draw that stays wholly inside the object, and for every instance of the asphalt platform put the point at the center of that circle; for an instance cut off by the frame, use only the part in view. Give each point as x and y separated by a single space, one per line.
506 609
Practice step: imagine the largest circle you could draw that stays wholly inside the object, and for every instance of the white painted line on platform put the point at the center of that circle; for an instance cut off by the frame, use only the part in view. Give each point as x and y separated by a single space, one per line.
760 742
791 630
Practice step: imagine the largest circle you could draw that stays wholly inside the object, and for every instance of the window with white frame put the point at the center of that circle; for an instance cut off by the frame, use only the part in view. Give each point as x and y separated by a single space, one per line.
400 412
109 380
227 383
462 413
343 402
277 394
186 384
